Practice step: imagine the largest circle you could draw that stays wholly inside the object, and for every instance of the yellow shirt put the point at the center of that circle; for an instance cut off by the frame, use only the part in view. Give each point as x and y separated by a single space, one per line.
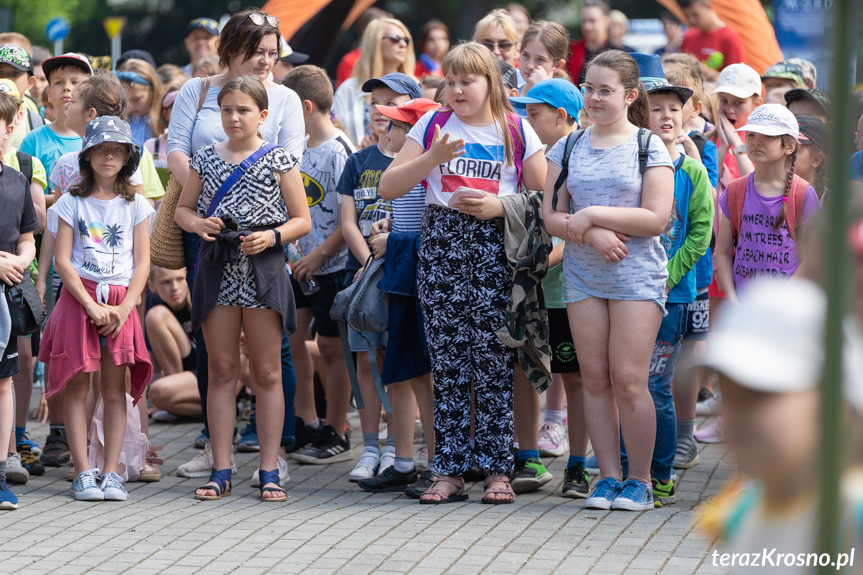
39 175
153 189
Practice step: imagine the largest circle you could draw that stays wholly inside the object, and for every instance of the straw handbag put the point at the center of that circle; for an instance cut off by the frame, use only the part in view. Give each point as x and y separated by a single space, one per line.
166 240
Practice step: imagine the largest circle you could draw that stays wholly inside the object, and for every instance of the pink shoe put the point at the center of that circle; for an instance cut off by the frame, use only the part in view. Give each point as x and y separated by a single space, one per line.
712 433
552 440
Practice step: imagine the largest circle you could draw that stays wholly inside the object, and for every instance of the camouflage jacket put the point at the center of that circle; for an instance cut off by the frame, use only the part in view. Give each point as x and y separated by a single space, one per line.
527 246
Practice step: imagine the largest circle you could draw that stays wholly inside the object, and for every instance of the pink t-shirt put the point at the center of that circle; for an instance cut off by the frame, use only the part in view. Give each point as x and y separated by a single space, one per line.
762 251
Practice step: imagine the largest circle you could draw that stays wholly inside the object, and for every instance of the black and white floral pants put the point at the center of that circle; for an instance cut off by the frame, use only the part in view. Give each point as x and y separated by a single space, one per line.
464 283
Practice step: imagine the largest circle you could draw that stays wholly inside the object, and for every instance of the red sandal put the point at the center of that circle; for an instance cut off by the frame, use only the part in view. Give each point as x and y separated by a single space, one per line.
498 490
435 489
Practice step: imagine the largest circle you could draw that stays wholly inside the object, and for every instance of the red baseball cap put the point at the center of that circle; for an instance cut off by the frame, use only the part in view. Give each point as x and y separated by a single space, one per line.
409 112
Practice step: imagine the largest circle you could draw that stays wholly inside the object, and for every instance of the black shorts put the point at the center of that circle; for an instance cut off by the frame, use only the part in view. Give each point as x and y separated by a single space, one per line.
697 318
563 356
322 301
9 361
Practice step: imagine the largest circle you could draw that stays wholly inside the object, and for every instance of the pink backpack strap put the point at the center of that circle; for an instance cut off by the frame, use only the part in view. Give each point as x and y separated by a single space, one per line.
440 118
516 130
794 209
735 193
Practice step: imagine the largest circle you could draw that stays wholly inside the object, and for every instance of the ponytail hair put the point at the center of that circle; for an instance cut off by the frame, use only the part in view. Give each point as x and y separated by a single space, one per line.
472 58
792 160
618 61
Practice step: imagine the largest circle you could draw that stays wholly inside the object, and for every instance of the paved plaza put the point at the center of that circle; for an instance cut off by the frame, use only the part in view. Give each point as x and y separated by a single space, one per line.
329 525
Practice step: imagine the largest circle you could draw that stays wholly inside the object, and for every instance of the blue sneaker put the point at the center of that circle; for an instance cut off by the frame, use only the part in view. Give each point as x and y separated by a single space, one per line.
8 500
86 486
23 438
203 439
634 496
591 466
112 487
249 437
604 492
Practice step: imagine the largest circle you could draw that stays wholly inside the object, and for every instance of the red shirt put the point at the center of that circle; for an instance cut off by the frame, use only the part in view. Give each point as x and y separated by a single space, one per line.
717 49
346 66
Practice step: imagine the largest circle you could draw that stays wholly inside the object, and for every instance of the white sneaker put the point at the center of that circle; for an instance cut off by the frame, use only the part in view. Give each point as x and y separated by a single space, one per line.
388 459
15 472
366 467
202 464
552 440
284 476
710 407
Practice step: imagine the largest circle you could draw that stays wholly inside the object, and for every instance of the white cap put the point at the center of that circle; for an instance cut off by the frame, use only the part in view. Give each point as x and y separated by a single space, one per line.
772 120
773 342
739 80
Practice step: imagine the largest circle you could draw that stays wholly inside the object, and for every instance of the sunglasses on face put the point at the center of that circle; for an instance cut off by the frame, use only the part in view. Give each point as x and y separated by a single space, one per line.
398 39
503 45
604 93
259 19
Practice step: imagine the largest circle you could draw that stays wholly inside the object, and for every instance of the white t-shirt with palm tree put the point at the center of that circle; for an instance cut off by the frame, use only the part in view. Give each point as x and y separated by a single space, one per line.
104 232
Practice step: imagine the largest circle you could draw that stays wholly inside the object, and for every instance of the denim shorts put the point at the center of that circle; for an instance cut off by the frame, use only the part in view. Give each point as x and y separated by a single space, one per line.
575 295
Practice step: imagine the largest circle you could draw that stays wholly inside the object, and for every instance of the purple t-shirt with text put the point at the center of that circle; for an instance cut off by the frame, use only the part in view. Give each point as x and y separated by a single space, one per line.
762 251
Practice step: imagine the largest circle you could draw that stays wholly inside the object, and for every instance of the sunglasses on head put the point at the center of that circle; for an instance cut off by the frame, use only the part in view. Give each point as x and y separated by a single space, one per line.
259 19
503 45
397 39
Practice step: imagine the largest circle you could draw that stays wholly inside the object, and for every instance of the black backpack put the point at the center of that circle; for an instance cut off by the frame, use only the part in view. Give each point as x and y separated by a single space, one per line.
25 165
643 153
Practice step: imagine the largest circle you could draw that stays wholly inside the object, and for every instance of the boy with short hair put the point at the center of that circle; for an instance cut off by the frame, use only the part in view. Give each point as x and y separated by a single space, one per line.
52 141
685 240
362 206
323 258
17 248
714 43
552 109
16 65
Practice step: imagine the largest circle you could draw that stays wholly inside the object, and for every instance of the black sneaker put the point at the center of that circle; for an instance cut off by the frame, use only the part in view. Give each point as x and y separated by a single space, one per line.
418 487
390 481
576 482
704 394
304 435
56 450
530 475
326 448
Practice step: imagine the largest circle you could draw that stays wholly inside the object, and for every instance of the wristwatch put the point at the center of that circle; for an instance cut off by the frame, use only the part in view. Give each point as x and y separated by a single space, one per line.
277 237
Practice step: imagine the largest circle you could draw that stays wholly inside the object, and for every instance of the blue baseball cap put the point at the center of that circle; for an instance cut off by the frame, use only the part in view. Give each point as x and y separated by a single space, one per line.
651 75
557 93
397 82
206 24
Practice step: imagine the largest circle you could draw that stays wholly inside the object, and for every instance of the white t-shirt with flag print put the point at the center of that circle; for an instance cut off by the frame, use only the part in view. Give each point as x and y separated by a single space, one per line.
482 167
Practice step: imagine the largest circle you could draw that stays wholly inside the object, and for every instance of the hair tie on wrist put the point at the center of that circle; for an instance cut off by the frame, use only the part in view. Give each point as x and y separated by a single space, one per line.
784 199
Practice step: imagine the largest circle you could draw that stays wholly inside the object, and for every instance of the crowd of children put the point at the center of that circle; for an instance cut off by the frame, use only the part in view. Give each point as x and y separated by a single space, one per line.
540 233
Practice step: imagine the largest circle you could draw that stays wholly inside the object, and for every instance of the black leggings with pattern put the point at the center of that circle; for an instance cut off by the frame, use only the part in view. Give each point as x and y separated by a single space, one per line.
464 283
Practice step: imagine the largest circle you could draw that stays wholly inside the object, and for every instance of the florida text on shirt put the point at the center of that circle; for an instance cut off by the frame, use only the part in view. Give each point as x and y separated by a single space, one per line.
479 168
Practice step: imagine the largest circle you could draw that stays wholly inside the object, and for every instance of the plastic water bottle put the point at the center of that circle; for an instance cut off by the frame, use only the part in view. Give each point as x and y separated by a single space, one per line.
295 254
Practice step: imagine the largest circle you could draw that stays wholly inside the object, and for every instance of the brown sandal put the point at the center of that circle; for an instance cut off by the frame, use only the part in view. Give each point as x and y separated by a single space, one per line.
498 490
435 489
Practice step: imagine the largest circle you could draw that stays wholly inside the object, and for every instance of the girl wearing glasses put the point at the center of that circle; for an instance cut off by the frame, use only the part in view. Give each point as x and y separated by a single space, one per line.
248 45
611 216
385 49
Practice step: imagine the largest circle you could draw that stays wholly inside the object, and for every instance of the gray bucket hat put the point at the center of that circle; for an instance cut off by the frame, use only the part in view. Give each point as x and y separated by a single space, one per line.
110 129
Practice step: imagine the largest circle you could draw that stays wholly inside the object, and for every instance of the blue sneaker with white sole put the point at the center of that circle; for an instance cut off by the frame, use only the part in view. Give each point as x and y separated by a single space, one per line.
603 494
86 486
249 437
8 500
112 487
634 496
591 466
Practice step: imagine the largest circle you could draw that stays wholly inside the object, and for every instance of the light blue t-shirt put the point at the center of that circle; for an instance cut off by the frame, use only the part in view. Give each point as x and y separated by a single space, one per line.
48 146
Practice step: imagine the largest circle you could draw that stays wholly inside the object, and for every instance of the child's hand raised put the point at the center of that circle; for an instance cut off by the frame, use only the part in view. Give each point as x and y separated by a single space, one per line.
209 228
257 242
442 150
